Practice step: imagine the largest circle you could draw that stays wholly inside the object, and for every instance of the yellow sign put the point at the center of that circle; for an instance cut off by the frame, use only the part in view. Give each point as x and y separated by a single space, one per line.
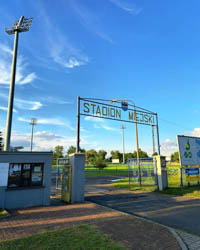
192 178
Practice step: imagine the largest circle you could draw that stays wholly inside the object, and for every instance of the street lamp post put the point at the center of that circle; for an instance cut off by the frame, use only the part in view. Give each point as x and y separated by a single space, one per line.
136 133
33 123
153 139
22 25
123 149
78 126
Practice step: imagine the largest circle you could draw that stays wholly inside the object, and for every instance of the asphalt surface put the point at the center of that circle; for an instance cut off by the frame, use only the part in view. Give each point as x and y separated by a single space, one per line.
177 212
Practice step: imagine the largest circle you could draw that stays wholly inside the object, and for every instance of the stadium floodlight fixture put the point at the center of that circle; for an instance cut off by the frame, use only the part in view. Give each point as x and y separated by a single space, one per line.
22 25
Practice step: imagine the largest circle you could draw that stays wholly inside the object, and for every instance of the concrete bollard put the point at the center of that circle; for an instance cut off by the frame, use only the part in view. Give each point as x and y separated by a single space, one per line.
77 161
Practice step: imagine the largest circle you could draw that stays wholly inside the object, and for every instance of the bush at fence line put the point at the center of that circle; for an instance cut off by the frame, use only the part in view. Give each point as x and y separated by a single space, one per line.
100 164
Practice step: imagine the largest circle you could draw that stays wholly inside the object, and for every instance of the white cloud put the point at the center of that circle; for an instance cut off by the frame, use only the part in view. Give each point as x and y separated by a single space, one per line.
100 123
23 104
70 62
46 141
6 109
29 105
127 5
42 141
82 129
22 75
94 119
55 100
50 121
195 132
168 147
106 127
60 49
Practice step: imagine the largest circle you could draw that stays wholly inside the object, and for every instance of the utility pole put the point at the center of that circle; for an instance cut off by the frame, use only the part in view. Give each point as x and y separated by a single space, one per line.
22 25
123 149
153 139
33 123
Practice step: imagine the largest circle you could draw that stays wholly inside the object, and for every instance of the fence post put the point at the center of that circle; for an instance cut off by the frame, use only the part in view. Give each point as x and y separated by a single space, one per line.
129 175
181 177
156 173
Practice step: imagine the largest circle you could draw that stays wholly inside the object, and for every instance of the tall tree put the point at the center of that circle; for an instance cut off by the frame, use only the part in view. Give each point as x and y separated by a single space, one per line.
57 153
175 157
116 155
90 156
102 154
142 154
71 150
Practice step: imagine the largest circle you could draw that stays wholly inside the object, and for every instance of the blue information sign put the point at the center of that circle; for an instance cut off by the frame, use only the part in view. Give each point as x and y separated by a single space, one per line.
192 171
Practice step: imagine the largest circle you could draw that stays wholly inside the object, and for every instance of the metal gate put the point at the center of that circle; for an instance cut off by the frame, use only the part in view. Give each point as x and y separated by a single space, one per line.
144 169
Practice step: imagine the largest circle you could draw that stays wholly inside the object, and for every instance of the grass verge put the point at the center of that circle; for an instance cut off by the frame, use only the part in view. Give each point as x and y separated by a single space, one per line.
76 238
192 191
105 173
133 186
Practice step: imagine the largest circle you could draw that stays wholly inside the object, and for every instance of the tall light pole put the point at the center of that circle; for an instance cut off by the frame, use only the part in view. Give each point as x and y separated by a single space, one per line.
22 25
123 149
33 123
153 139
125 103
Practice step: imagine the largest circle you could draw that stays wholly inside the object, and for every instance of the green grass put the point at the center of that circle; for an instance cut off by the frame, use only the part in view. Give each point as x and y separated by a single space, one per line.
76 238
111 169
3 213
105 173
192 191
134 186
114 167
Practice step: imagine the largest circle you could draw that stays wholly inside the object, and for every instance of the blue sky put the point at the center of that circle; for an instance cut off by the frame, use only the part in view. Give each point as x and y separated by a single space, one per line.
143 50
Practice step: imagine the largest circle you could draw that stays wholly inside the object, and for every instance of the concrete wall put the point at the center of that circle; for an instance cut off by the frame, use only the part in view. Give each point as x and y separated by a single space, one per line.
27 196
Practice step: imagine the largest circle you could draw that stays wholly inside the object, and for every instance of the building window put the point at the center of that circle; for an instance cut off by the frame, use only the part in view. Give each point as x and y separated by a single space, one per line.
25 175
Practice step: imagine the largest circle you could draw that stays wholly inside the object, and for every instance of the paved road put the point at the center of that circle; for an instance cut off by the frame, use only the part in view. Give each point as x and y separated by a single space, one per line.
177 212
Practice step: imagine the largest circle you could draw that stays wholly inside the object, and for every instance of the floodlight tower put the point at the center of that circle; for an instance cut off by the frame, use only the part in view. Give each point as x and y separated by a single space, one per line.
122 128
33 123
22 25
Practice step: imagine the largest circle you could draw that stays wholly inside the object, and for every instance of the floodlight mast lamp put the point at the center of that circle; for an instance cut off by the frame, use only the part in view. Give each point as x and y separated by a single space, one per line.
22 25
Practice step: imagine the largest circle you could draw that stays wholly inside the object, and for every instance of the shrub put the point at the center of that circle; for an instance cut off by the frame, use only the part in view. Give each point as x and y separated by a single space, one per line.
99 163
